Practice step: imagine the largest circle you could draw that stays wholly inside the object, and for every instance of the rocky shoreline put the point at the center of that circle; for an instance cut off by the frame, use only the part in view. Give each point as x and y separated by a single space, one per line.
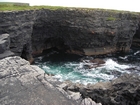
25 84
22 83
24 34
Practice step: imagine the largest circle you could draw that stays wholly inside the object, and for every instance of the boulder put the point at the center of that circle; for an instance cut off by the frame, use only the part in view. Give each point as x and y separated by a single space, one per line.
89 101
25 84
93 63
124 90
4 46
4 42
97 61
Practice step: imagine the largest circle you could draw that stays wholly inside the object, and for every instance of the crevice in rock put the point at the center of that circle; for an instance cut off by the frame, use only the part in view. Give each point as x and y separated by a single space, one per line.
26 53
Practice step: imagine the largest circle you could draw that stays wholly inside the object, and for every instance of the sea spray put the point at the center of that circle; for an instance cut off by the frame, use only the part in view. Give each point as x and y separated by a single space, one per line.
75 71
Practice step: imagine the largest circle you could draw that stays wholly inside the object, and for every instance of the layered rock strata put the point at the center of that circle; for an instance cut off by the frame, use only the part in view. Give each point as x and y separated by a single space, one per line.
78 31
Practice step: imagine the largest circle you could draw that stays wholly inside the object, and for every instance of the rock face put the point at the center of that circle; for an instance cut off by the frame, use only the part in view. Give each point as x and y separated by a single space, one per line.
89 32
19 26
79 31
23 84
4 43
124 90
4 46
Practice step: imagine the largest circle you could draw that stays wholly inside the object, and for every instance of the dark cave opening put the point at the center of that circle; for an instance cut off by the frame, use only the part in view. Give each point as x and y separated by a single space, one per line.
48 35
136 38
26 53
56 44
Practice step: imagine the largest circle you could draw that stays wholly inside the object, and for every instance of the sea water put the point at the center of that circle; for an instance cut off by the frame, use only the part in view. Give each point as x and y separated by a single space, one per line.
70 67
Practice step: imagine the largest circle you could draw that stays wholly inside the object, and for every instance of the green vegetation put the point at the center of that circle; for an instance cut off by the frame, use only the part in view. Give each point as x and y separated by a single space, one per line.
7 6
11 6
111 19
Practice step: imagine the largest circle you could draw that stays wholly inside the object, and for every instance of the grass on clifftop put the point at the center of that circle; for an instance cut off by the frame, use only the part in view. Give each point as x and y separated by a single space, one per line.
13 6
111 19
9 6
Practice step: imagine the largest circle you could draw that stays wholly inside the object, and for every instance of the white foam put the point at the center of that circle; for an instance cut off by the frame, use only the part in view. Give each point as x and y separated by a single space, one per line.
40 58
136 52
112 65
101 75
45 67
85 76
58 76
124 58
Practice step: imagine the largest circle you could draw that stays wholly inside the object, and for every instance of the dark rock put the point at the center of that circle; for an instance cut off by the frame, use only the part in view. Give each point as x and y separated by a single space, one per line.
97 61
124 90
25 84
18 24
136 38
78 31
93 63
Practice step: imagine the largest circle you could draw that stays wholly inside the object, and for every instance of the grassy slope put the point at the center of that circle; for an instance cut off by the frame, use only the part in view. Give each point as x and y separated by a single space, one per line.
10 6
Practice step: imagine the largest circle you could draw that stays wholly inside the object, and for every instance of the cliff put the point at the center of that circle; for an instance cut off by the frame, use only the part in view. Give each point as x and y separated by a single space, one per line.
78 31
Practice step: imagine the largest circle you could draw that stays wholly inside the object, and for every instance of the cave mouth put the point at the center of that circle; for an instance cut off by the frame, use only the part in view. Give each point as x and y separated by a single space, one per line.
57 44
52 39
26 53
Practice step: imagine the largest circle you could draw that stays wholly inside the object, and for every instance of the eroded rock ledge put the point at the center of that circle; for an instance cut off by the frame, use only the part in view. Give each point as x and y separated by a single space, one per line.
79 31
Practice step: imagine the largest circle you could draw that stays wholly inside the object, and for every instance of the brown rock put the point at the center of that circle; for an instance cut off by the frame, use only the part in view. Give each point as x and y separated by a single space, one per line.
97 61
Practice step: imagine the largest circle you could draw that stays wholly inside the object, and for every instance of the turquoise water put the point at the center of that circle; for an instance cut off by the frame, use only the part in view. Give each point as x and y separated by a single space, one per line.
70 67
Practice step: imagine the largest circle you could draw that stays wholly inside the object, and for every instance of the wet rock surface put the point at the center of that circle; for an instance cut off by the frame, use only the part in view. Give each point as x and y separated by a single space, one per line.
93 63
